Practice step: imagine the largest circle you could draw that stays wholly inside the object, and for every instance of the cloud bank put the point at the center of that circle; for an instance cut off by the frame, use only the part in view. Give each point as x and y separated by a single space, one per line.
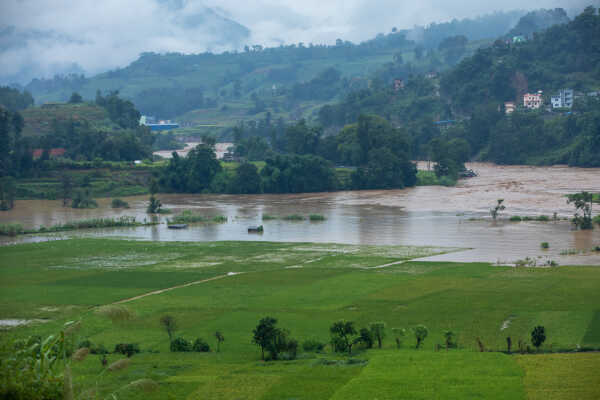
39 38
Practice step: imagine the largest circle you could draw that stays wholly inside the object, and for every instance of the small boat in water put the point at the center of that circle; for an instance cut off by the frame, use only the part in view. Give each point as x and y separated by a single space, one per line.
177 226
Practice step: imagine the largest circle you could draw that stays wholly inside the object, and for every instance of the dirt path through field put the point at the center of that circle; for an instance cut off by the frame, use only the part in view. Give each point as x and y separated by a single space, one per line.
141 296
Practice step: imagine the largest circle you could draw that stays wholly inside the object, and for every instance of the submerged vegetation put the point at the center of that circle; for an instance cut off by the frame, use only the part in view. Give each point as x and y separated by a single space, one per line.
124 221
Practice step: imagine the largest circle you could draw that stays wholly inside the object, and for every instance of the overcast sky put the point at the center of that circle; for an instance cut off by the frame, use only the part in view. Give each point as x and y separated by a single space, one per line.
42 37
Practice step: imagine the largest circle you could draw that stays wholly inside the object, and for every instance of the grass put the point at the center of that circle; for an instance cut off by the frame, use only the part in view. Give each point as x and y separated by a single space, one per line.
188 217
294 217
316 217
306 287
124 221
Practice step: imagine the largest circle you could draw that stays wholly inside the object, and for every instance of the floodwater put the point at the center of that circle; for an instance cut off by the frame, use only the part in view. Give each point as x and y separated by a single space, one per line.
431 215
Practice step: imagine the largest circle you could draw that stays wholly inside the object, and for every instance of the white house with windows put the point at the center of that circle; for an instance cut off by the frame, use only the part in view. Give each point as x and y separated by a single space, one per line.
564 99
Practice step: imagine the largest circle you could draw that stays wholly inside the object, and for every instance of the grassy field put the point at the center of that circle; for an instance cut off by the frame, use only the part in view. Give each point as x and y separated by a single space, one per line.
307 287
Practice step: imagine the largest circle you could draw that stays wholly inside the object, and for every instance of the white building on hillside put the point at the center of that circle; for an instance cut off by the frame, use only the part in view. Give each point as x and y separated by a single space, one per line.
563 99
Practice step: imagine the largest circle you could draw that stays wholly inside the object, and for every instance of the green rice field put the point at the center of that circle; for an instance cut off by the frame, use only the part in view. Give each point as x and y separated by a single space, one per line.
229 286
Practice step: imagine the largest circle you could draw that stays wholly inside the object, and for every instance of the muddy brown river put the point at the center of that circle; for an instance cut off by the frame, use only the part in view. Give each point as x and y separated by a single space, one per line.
431 215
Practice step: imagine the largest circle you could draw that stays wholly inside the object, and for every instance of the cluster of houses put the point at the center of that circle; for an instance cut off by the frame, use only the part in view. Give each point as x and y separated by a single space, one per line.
534 101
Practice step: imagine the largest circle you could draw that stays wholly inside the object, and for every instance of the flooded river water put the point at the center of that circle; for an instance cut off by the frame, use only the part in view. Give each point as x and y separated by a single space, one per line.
431 215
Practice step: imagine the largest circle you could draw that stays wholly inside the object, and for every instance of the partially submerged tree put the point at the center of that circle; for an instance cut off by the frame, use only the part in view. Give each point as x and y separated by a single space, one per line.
583 209
169 325
499 207
420 332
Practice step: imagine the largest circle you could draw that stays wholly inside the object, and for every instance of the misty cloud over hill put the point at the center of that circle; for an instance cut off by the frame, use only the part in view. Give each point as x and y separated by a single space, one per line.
40 38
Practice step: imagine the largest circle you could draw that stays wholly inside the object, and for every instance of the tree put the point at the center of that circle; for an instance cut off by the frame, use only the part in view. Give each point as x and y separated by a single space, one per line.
377 331
508 343
264 334
75 98
399 334
499 207
365 336
538 336
169 325
8 191
67 187
247 179
448 337
583 204
220 339
420 332
343 335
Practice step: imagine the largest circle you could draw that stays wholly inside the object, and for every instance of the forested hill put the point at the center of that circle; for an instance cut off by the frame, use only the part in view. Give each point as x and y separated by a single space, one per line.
566 55
290 81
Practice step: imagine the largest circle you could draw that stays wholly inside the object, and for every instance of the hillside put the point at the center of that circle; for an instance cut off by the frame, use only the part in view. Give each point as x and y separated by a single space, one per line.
40 121
287 81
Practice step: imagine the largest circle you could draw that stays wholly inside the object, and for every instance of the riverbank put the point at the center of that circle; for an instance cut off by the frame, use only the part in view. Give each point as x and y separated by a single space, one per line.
306 287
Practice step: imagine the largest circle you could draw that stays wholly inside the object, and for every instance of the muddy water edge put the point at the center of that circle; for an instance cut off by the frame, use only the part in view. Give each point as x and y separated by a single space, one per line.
430 215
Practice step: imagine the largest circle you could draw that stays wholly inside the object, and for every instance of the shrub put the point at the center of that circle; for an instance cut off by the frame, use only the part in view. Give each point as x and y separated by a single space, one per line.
545 245
118 203
127 349
99 349
313 345
85 344
515 218
267 217
538 336
219 219
200 346
316 217
11 229
543 218
294 217
180 345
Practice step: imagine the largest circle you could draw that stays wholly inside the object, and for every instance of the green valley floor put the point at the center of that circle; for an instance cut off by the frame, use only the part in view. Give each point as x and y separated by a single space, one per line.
118 290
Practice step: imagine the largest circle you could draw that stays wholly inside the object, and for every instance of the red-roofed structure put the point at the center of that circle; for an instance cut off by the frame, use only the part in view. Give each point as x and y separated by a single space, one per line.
57 152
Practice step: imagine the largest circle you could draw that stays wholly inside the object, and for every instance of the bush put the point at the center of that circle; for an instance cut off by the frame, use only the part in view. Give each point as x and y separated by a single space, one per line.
294 217
545 245
11 229
118 203
85 344
100 349
127 349
515 218
313 345
267 217
316 217
543 218
200 346
180 345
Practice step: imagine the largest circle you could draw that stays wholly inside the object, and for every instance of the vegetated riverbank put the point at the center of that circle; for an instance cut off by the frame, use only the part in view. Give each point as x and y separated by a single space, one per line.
306 287
15 229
